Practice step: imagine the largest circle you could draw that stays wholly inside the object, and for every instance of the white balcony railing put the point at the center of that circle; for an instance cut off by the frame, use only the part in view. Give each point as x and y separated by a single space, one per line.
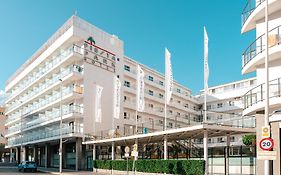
47 133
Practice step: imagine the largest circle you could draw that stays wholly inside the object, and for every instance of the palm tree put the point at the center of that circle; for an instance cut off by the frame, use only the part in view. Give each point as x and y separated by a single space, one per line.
91 39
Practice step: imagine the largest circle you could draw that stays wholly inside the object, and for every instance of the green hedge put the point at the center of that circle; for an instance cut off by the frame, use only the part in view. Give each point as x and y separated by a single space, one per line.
190 167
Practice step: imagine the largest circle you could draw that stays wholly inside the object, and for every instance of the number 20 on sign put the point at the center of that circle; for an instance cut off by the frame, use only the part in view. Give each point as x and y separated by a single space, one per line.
266 144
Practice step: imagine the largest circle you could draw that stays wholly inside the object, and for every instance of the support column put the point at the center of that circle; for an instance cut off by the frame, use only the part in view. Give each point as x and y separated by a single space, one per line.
94 157
17 155
23 153
11 155
112 151
165 147
78 152
190 147
259 124
227 154
47 156
205 142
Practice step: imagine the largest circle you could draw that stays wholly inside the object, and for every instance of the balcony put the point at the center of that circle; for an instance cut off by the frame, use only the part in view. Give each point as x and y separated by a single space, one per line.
68 111
254 99
49 101
41 72
46 135
47 85
254 54
254 11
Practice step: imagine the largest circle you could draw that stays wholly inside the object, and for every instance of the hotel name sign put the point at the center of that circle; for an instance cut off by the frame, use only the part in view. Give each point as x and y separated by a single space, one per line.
98 56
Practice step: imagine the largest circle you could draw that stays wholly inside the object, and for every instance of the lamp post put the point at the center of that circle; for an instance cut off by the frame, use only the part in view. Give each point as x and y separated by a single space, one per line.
60 149
21 135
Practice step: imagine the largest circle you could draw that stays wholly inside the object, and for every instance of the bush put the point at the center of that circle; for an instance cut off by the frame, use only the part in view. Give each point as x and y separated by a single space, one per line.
249 140
189 167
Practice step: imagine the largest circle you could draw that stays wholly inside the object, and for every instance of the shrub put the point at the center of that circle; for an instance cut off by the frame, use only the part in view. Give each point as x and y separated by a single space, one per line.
189 167
249 139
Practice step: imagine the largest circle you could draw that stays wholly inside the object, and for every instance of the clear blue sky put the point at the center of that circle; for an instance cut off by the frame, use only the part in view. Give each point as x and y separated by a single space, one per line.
145 26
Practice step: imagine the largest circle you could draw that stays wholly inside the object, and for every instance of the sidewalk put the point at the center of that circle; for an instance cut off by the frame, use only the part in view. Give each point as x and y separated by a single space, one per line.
98 172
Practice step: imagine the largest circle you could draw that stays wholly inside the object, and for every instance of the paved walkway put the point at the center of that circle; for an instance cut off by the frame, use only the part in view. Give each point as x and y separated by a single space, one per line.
99 172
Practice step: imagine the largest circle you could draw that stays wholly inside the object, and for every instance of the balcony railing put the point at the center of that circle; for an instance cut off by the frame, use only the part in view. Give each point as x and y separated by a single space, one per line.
258 46
39 72
68 109
55 96
249 8
47 84
48 133
174 122
257 94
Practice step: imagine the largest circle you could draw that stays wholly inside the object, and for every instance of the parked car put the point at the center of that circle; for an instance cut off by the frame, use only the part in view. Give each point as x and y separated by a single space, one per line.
27 165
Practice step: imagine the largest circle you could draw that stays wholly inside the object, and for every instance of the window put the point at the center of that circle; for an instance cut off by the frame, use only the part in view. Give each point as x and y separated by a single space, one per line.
219 105
209 107
178 114
170 111
220 117
186 105
125 115
220 140
150 105
179 102
150 92
127 68
127 84
161 95
150 78
178 90
231 103
161 83
170 125
232 139
125 98
138 117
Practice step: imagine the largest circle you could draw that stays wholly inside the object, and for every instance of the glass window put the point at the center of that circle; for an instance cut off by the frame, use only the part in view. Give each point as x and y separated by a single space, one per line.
127 68
150 78
150 92
127 84
161 83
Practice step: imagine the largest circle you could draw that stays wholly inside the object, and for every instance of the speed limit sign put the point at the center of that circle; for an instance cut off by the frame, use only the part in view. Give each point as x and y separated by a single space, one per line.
266 144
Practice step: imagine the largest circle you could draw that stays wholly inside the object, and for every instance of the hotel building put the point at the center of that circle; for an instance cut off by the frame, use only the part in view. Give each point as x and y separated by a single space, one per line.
60 80
253 60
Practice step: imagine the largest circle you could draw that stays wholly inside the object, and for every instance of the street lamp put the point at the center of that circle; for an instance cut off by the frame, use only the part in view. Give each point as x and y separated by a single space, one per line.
60 149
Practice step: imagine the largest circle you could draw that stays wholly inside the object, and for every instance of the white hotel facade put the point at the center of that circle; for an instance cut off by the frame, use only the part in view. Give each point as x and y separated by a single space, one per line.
60 79
253 60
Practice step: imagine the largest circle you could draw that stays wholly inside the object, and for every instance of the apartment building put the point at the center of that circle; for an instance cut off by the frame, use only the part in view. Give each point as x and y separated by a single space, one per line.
253 60
60 81
4 153
225 104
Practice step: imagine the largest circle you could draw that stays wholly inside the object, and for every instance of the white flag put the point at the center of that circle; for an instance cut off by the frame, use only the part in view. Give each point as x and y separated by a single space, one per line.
206 66
140 89
168 76
98 103
117 97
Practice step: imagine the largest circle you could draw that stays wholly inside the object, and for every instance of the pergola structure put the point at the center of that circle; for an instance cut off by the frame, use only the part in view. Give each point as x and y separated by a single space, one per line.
192 132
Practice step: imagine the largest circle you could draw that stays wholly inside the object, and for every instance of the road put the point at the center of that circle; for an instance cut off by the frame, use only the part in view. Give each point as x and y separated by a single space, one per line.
14 171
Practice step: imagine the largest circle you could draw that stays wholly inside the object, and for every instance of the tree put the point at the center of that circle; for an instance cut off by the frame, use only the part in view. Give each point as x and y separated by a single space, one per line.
249 140
91 39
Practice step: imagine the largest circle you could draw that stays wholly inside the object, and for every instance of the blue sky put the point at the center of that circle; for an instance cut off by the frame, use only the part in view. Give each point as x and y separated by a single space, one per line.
145 26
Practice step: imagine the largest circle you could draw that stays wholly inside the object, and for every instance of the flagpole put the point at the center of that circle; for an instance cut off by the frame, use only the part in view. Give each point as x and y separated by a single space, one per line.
206 76
266 109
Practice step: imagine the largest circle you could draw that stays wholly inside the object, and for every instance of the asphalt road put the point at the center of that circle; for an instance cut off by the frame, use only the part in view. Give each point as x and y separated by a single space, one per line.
14 171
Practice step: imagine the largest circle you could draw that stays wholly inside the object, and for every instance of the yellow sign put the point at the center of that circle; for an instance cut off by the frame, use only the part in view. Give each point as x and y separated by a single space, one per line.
272 40
135 147
265 132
